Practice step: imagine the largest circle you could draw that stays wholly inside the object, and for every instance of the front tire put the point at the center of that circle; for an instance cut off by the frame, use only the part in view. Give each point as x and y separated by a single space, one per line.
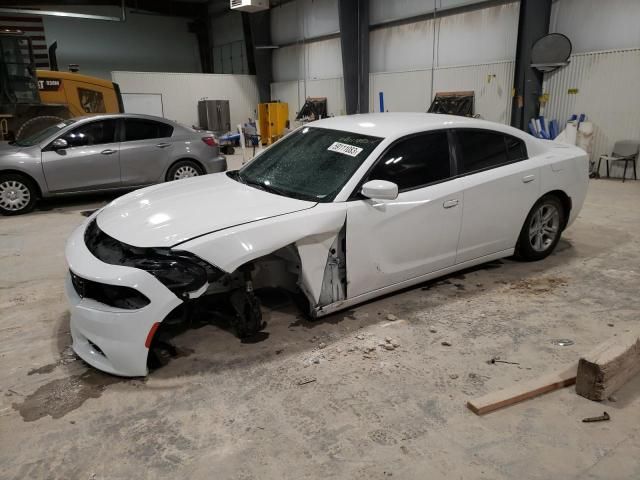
18 194
184 169
541 230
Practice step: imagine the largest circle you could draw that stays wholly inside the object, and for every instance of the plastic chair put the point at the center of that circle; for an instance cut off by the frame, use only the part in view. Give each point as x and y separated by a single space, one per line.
623 151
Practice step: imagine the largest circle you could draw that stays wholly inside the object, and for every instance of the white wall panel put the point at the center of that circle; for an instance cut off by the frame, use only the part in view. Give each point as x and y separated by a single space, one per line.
312 61
594 25
403 91
324 59
389 10
406 47
491 83
304 19
181 92
607 94
411 91
478 36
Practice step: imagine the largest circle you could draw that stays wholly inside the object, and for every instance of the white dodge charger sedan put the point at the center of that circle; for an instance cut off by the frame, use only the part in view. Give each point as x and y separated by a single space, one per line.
338 212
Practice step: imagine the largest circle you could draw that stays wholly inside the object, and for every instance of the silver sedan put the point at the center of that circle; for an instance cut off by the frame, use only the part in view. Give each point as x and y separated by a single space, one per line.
102 153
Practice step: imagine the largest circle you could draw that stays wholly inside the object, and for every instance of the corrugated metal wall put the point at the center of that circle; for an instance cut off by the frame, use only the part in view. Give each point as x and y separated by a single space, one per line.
492 84
607 93
411 91
181 92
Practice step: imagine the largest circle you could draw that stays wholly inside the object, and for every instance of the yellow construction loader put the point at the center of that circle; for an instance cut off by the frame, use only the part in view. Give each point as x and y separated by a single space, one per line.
31 100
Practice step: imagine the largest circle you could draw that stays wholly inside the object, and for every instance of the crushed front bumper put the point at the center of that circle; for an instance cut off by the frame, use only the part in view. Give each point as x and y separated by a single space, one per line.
108 338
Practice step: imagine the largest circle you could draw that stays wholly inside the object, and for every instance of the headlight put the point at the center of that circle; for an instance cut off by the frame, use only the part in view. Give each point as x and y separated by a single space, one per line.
180 272
177 273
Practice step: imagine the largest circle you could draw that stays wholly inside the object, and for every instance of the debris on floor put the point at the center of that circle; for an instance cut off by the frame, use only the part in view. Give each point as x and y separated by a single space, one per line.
602 418
609 366
518 393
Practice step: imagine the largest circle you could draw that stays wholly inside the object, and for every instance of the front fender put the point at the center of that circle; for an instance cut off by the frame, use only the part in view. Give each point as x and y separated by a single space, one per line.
312 231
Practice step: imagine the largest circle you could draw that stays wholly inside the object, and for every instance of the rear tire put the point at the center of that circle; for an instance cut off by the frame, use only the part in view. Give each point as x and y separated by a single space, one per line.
541 230
18 194
184 169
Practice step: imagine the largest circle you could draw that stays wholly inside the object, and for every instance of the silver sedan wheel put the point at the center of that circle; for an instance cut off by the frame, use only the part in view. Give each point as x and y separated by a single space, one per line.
185 171
544 227
14 195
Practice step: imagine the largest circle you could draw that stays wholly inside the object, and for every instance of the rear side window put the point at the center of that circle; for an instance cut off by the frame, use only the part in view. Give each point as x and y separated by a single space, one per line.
416 161
138 129
516 149
480 150
93 133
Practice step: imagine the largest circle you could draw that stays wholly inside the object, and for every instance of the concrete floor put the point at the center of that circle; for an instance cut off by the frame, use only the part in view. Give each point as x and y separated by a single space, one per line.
229 410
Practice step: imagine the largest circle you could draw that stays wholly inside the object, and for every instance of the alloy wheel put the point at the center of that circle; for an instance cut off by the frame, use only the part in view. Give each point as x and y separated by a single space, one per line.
14 195
185 171
544 227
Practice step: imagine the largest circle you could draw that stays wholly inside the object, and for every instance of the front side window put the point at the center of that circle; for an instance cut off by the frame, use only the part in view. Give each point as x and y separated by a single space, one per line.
414 162
94 133
310 163
138 129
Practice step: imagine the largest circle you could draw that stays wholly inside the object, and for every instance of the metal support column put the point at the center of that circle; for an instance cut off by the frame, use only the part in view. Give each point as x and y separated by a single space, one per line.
533 24
257 32
354 40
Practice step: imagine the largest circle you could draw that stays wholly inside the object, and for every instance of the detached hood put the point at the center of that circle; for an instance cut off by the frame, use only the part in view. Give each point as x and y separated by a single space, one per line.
170 213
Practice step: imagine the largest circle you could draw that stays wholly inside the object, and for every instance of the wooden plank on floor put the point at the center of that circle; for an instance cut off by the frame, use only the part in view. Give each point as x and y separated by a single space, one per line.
607 367
524 391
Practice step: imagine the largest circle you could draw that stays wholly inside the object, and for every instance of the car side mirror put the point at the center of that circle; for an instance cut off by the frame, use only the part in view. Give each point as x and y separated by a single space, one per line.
380 190
60 144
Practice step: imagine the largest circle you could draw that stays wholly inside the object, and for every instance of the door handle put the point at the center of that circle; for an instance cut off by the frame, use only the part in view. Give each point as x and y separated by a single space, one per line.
528 178
450 203
108 151
163 145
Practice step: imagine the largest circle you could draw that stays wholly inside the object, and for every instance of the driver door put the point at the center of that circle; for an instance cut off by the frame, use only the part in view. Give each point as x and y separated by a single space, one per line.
391 241
90 162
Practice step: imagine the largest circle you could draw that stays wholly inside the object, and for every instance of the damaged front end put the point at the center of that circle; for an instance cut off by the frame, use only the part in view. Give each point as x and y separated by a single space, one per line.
217 283
189 277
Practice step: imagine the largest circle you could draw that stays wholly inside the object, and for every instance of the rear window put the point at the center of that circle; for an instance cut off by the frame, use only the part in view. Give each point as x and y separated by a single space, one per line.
138 129
516 149
481 149
484 149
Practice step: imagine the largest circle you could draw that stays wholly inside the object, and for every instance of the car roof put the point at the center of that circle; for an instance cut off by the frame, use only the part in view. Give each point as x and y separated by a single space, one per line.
104 116
396 124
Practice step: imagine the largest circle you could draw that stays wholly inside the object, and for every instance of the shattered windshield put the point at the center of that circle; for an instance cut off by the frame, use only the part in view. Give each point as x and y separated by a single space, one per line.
309 164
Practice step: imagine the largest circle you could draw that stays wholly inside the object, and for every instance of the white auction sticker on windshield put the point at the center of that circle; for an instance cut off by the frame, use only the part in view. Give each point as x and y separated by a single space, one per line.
350 150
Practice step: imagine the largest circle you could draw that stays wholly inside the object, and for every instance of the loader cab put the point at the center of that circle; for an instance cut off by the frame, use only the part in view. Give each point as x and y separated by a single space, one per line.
17 69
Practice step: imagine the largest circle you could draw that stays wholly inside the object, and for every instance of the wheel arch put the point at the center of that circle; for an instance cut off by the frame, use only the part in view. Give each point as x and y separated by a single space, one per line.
184 159
567 204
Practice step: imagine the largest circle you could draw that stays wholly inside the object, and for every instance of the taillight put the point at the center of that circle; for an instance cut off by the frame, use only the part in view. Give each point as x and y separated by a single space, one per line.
210 141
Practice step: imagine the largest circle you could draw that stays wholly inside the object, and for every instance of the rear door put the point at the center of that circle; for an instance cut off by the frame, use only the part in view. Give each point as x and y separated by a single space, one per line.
500 186
91 162
391 241
144 152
